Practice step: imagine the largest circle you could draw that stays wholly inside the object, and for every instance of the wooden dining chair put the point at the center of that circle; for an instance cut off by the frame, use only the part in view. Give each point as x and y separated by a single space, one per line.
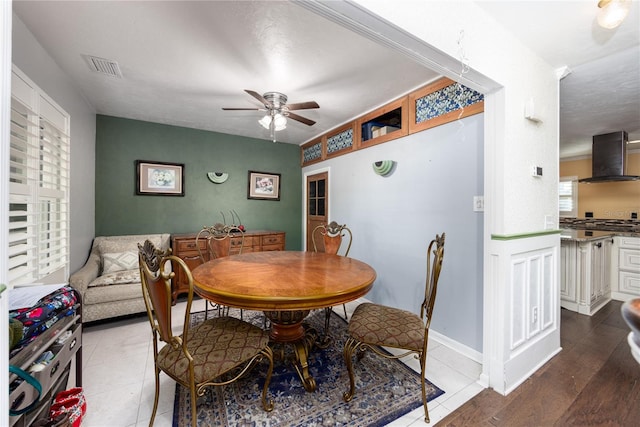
332 238
373 326
220 240
203 355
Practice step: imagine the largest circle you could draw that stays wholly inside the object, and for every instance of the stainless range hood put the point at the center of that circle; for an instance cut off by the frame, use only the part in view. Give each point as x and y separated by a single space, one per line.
609 158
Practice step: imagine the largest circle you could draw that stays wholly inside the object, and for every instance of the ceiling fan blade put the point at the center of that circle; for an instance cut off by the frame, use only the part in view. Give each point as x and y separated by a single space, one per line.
259 97
301 119
239 109
303 105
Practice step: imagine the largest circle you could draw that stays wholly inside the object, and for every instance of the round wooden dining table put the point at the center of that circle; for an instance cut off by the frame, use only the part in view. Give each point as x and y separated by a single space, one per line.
286 285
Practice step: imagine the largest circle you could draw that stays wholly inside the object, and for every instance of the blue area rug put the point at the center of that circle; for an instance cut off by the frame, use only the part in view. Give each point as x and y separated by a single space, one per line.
385 390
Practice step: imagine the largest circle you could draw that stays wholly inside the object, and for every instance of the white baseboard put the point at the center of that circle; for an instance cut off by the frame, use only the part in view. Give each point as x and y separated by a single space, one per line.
472 354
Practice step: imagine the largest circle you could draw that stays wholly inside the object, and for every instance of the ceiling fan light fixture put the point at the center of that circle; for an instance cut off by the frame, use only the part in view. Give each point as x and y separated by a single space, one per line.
612 12
265 121
279 122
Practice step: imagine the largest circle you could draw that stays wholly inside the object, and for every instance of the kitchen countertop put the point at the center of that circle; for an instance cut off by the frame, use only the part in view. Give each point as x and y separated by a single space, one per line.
585 235
586 229
588 235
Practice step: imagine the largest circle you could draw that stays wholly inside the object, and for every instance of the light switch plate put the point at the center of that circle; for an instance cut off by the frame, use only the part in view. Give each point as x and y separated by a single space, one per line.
478 203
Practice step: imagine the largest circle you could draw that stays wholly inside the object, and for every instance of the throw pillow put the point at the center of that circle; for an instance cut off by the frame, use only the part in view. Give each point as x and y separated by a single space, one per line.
119 261
117 278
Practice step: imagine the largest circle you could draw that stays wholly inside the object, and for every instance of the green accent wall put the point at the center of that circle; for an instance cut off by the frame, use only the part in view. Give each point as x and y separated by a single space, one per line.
120 142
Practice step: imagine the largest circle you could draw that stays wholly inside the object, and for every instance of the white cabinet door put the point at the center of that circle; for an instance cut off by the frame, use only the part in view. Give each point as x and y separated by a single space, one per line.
595 289
569 274
626 276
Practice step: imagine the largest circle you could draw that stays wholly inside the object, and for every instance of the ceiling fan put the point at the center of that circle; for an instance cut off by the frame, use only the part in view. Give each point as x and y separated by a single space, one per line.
275 104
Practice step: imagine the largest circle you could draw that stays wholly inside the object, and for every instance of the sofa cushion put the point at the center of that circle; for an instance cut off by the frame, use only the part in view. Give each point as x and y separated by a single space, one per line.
112 244
119 261
117 278
114 293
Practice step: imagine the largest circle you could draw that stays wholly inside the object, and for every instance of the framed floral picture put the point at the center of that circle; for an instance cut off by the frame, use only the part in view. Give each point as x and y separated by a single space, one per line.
264 186
159 178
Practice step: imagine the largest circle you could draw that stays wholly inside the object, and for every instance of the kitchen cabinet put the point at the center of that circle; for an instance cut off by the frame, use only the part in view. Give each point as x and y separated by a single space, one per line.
627 275
585 274
598 288
184 246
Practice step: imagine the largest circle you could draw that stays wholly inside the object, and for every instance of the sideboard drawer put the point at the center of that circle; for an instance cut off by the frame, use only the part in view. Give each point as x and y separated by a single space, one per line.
272 239
237 241
267 248
183 246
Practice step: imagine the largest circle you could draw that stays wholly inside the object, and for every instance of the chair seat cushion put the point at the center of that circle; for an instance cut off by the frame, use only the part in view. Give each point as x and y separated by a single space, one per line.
217 345
386 326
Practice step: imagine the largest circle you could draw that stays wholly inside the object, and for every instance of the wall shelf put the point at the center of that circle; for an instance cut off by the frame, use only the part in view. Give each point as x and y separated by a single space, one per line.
435 104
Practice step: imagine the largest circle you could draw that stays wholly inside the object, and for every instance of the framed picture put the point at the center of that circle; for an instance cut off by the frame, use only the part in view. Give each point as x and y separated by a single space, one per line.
159 178
264 185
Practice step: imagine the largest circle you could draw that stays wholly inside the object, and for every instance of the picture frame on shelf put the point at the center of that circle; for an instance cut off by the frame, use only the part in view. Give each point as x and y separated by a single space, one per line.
263 186
159 178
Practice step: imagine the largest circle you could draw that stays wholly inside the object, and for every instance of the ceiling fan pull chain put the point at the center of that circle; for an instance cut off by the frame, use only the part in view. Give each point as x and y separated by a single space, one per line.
272 127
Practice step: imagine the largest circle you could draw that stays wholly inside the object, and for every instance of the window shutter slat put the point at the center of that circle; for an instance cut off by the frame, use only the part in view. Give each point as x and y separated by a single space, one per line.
39 187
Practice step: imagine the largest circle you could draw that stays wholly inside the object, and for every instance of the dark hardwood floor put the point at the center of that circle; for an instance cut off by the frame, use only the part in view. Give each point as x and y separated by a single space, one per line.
593 381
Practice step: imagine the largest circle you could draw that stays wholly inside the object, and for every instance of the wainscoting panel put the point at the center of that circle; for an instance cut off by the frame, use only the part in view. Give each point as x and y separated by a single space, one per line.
524 302
532 287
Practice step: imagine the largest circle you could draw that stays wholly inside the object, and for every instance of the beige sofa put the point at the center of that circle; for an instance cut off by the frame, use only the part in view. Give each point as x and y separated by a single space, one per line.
109 282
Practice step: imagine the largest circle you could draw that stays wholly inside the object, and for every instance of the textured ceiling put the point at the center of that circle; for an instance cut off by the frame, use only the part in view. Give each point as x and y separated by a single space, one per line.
182 62
602 92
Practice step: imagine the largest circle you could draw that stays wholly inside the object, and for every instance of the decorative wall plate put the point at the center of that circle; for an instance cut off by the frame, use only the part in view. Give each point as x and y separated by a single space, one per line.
217 177
383 167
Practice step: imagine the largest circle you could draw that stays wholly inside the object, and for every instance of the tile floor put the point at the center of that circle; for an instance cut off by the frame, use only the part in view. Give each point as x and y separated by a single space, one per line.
119 384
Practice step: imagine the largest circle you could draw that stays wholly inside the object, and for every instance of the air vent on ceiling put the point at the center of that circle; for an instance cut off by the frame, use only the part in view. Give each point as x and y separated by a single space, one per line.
104 66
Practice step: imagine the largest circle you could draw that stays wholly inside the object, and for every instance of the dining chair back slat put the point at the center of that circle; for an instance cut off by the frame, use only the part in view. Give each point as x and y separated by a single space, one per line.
333 236
156 288
217 242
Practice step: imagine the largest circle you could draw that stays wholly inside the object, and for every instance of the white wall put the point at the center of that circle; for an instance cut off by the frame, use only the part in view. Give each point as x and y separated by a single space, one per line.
519 202
35 62
443 35
393 219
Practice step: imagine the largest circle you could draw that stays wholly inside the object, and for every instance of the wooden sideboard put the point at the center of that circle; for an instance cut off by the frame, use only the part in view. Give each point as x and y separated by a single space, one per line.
184 246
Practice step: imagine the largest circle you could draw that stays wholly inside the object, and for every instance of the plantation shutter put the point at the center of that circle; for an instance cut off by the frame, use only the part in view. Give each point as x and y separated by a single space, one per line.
53 198
23 173
568 197
38 184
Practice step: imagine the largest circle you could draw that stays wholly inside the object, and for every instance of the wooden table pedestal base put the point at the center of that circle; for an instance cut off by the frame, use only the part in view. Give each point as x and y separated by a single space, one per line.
287 328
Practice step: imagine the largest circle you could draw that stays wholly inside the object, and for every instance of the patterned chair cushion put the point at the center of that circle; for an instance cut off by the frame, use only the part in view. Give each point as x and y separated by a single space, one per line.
217 346
386 326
